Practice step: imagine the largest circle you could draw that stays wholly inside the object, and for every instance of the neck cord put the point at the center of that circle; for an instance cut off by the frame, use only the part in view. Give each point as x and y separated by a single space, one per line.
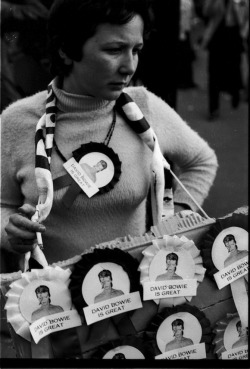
111 130
105 142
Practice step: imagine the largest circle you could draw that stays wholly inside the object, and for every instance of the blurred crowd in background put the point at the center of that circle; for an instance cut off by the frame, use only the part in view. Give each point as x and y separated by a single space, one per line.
181 28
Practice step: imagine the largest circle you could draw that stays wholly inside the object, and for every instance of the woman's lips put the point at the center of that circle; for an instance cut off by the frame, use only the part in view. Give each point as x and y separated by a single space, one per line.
118 85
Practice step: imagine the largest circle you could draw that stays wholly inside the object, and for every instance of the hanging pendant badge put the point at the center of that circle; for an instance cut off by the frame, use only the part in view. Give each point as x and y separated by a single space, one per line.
101 164
95 168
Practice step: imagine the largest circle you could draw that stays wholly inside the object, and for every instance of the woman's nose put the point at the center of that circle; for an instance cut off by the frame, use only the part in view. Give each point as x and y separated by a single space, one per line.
129 63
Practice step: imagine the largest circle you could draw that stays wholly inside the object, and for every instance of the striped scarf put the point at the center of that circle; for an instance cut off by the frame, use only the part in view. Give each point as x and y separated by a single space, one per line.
133 115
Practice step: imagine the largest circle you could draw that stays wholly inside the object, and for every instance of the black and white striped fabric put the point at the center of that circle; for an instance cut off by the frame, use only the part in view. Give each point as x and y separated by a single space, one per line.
133 115
136 120
46 124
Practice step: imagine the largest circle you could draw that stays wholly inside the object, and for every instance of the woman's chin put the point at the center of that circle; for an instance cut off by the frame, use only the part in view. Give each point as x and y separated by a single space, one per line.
113 94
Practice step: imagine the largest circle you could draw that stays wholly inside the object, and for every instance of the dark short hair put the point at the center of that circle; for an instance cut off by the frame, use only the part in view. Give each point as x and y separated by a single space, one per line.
105 273
177 322
228 238
104 164
172 256
72 22
238 324
119 355
42 289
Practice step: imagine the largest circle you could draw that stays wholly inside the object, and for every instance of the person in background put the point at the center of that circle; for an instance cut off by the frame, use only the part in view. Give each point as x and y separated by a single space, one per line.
222 38
95 47
24 69
158 67
186 54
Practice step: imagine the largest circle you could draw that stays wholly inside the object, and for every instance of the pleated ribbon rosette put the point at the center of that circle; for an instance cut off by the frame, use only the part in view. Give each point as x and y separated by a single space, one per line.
15 315
185 249
224 335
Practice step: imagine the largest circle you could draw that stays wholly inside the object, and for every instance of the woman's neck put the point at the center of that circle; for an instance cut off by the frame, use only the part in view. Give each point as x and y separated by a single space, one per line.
71 86
71 102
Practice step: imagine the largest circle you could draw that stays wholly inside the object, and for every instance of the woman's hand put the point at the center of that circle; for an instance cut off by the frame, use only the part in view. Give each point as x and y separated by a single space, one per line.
21 231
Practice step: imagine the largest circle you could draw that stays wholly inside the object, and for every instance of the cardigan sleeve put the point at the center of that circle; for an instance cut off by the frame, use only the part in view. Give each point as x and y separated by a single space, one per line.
17 157
11 197
195 162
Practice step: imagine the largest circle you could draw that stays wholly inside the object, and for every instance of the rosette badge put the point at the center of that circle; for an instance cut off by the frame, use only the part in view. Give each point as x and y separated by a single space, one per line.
105 283
136 346
225 253
181 332
231 339
171 270
38 305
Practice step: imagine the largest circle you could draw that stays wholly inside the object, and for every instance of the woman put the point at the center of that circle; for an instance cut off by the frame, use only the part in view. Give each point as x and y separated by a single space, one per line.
95 51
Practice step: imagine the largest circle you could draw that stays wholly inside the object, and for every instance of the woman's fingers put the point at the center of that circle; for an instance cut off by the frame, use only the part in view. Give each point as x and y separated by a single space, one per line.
27 209
21 222
21 246
20 240
21 231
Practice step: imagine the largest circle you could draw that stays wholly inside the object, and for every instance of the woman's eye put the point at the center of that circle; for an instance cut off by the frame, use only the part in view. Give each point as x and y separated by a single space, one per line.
137 51
114 50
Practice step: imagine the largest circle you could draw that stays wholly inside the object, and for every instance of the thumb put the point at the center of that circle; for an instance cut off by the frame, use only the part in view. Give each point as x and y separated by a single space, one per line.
27 209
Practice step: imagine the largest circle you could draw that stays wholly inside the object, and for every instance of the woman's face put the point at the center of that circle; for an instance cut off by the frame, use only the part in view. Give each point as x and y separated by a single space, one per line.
109 61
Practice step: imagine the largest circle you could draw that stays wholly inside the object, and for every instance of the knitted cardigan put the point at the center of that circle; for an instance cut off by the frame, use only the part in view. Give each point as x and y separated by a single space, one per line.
120 212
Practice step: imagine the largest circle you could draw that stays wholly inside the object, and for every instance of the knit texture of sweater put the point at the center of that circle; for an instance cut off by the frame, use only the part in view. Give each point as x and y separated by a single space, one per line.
120 212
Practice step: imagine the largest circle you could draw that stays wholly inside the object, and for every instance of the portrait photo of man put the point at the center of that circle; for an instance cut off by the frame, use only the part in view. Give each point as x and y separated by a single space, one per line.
242 334
105 278
92 171
179 340
232 248
46 308
171 266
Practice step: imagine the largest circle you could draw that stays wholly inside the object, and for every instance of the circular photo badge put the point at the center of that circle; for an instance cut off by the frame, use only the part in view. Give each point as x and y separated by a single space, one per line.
168 265
229 334
99 168
178 330
124 352
229 246
216 247
128 346
105 281
103 274
101 164
234 335
42 298
37 294
171 258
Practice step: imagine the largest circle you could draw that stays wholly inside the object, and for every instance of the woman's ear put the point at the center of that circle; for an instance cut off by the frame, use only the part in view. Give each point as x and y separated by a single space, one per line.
66 59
